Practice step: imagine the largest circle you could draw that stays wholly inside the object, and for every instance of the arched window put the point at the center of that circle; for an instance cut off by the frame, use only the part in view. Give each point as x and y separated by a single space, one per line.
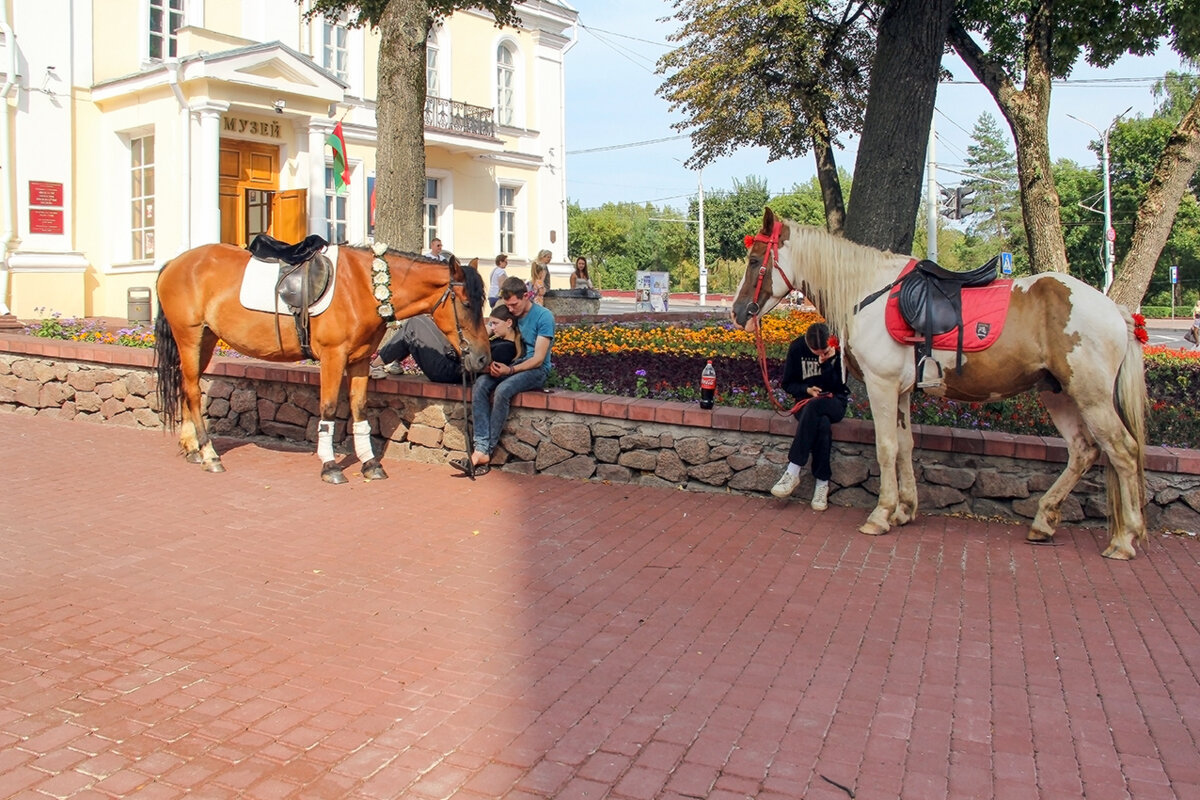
506 85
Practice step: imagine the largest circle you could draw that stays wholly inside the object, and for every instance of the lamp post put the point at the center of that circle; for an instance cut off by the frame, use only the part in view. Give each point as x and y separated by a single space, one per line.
1110 235
700 231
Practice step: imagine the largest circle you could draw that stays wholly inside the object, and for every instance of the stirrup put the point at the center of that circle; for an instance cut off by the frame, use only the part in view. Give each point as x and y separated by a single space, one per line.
928 381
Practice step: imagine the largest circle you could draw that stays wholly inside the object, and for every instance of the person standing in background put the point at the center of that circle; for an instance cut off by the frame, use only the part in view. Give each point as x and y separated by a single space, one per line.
580 278
498 276
539 277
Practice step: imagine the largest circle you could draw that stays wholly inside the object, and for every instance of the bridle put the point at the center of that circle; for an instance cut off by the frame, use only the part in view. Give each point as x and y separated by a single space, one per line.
770 259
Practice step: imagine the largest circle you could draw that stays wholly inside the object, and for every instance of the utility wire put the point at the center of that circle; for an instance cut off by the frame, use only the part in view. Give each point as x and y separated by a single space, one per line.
627 145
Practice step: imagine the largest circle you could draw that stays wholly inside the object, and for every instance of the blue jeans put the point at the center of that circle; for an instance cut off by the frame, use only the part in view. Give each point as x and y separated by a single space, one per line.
490 401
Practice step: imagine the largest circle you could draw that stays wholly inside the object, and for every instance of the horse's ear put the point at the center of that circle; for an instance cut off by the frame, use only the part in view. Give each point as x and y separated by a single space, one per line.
768 220
474 263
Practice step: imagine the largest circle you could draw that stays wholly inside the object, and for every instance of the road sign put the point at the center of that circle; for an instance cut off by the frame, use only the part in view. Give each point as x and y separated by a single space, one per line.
1174 274
1006 263
1112 234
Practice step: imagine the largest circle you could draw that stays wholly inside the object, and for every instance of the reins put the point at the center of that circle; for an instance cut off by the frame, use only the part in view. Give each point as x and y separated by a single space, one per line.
770 259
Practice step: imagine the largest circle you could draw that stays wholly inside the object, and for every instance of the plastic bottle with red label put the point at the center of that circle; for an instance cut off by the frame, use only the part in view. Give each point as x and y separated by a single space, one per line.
708 386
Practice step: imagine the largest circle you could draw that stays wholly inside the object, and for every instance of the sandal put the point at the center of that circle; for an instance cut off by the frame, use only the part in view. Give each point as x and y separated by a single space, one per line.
465 466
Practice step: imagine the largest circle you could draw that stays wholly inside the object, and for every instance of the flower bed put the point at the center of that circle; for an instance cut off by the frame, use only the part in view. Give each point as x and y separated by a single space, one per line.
646 357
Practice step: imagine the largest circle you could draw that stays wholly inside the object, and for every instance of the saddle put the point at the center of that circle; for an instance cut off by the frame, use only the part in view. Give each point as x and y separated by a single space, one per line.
303 277
929 299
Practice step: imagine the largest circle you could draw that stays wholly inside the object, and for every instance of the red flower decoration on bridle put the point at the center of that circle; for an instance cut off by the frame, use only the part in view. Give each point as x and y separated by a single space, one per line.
749 240
833 342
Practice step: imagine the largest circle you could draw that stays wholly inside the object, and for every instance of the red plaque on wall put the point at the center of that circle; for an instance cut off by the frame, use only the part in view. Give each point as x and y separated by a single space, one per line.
45 220
45 193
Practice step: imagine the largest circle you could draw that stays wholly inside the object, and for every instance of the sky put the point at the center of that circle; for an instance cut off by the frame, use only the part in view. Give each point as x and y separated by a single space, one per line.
611 100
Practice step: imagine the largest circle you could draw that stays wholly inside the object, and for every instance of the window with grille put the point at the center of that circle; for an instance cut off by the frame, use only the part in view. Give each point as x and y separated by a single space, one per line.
433 209
166 17
335 209
142 197
506 82
508 219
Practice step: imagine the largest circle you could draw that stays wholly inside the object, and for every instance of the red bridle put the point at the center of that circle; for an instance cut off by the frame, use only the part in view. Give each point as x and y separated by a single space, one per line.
770 259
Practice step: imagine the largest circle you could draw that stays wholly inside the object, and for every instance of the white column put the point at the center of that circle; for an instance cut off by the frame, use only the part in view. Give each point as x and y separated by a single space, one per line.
207 211
318 129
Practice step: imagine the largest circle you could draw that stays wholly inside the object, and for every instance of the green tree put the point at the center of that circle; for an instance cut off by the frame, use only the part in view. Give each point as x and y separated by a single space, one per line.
995 210
403 27
730 215
1031 43
1083 228
785 75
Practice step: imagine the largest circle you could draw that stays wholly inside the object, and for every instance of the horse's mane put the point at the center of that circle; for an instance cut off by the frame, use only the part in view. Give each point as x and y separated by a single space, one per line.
837 272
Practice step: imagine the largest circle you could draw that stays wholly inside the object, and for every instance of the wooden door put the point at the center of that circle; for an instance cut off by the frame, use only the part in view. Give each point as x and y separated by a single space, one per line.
290 215
249 176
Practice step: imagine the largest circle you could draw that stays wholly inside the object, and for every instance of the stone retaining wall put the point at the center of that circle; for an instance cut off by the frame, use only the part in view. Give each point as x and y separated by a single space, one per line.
587 437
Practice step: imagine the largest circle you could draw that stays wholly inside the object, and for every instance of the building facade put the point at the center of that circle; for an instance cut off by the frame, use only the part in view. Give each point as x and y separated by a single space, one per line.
138 129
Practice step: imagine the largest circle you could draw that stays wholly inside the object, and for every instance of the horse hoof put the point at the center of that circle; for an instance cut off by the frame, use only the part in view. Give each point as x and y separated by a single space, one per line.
373 471
331 473
902 516
1039 537
871 529
1119 553
214 466
193 457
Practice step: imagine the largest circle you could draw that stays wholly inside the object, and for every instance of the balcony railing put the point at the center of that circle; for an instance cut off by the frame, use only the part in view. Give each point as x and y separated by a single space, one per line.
458 117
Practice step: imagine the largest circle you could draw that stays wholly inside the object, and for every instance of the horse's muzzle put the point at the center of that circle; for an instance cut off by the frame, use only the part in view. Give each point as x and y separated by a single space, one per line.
476 362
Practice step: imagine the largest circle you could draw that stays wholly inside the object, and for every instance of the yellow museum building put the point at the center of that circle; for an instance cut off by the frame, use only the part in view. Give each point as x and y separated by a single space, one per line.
137 129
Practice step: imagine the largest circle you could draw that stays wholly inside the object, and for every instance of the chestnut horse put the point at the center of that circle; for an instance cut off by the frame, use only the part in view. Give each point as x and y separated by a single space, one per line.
198 296
1062 337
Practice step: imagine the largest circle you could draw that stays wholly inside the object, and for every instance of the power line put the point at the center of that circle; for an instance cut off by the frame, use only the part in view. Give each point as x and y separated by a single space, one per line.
663 45
627 145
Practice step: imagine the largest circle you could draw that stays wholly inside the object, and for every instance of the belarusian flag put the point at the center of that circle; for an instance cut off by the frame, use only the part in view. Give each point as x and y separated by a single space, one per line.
341 172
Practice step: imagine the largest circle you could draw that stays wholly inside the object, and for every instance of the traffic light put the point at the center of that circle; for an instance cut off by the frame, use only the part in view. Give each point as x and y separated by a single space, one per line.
950 203
962 203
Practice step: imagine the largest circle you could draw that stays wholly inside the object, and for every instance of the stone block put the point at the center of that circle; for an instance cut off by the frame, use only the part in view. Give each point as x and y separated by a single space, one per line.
759 478
606 450
573 436
645 460
670 467
932 495
517 448
579 467
424 435
550 454
243 400
693 449
850 471
613 473
714 473
949 476
432 416
993 483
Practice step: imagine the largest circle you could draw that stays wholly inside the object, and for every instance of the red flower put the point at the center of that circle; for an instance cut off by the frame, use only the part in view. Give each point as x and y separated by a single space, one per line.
833 342
1141 334
1139 321
749 240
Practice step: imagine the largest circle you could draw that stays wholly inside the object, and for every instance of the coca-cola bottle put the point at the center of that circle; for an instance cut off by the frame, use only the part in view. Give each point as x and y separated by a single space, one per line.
708 385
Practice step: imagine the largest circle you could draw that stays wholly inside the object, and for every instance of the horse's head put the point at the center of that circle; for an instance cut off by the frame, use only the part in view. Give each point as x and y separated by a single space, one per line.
462 318
764 283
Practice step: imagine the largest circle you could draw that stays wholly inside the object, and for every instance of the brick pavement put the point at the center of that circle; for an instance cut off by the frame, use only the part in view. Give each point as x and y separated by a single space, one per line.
165 632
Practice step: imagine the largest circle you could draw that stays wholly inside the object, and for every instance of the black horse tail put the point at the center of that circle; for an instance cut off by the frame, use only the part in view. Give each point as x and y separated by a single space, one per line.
170 376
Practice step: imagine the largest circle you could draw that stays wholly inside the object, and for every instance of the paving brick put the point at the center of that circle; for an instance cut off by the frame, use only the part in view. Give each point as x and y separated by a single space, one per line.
261 634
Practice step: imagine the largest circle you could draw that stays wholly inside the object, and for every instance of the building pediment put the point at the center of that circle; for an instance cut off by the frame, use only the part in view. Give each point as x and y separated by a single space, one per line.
272 66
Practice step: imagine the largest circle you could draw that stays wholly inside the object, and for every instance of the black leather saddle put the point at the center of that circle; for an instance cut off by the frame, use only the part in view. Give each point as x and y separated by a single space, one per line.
303 271
304 274
930 301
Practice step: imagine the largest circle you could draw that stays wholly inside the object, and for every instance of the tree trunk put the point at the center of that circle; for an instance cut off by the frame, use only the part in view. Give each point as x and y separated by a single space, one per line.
889 172
1027 112
1156 214
830 183
400 119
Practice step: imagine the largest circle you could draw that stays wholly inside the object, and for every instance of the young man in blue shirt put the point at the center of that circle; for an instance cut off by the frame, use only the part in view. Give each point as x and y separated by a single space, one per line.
494 390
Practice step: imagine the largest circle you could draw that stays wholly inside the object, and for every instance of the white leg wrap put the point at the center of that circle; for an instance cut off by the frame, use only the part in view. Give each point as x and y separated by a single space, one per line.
362 440
325 440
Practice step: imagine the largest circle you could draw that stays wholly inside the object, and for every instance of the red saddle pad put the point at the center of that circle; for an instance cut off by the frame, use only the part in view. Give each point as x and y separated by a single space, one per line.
983 311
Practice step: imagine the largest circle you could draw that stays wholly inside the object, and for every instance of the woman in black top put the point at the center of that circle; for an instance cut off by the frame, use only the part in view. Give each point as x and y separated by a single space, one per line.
813 373
505 337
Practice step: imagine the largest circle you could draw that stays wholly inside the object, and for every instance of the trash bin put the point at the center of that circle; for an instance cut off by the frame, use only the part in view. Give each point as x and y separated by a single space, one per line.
139 305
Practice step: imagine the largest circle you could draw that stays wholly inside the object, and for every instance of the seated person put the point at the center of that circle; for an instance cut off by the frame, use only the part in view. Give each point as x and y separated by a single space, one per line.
813 374
421 338
494 390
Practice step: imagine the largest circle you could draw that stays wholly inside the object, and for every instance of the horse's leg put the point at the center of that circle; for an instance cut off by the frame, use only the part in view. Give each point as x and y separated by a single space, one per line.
1125 493
194 356
885 409
1082 453
906 509
333 366
372 470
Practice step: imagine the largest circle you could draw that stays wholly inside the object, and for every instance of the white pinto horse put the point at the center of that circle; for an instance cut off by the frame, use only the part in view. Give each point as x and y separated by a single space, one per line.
1062 337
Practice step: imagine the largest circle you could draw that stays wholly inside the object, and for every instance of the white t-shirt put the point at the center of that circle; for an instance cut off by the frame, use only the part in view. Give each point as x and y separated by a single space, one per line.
498 276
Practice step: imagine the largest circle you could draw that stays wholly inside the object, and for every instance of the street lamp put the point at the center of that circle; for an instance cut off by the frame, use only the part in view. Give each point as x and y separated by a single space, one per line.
703 264
1110 235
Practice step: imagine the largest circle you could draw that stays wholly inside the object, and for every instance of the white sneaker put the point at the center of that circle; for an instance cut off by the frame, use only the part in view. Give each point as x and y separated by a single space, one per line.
394 368
786 484
820 500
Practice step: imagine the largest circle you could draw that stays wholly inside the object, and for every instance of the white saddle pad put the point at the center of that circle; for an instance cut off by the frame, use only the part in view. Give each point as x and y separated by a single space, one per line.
258 286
